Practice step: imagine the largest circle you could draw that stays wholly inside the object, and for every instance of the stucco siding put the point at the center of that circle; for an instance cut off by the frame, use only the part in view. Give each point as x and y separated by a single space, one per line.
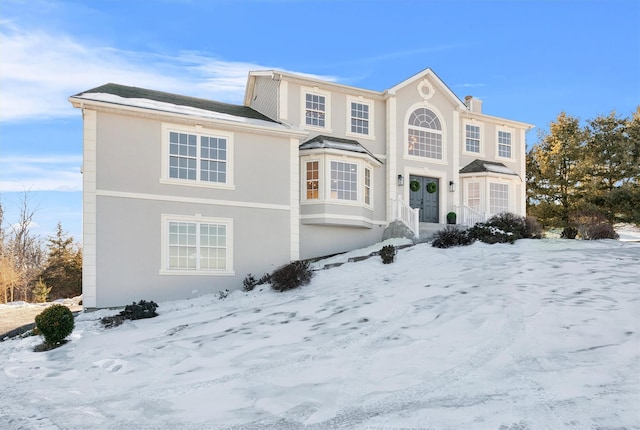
129 251
327 240
130 158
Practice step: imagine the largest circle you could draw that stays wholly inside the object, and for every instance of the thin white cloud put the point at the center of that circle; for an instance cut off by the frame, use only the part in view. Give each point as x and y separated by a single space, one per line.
41 69
471 85
54 173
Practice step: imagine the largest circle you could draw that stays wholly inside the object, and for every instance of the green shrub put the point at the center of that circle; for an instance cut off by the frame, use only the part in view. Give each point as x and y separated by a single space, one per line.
451 236
569 233
250 282
134 311
510 223
490 234
388 254
505 227
55 323
290 276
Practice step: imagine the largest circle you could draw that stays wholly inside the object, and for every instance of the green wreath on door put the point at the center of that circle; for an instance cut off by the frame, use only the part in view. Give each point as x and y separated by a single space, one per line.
431 187
414 186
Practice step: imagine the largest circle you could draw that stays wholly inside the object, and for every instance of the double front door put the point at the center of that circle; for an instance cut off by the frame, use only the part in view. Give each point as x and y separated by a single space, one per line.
425 197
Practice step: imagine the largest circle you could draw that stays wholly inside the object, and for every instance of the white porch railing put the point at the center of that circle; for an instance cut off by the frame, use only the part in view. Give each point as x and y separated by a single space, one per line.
470 217
408 215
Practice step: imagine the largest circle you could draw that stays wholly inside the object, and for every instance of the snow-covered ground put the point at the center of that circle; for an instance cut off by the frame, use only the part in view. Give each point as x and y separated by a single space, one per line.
542 334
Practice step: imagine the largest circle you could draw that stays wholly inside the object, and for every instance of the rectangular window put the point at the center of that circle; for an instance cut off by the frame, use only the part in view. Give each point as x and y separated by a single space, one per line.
359 118
472 138
473 196
344 181
498 198
504 144
197 157
197 246
367 186
315 110
425 144
313 180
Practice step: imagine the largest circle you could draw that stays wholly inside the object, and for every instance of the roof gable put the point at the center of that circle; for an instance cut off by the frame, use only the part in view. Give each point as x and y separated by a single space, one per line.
430 76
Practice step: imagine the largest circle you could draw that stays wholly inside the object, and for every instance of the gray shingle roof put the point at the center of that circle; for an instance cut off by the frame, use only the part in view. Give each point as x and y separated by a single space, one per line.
478 166
331 142
176 99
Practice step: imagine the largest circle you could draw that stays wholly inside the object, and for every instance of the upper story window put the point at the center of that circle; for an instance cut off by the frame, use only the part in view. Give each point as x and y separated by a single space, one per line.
315 110
425 134
504 144
196 157
472 138
359 118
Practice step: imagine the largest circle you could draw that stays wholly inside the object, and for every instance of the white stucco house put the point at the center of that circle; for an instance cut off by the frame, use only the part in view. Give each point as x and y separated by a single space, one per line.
186 196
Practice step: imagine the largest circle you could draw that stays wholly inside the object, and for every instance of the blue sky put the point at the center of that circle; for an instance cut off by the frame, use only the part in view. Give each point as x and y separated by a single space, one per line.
527 60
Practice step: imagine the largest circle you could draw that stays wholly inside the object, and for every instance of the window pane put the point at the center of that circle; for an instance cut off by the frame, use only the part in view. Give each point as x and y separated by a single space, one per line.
425 144
504 144
472 138
344 182
315 110
312 180
359 118
498 198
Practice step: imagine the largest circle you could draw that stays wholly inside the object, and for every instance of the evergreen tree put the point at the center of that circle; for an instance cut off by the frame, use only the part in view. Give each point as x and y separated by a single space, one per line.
41 292
556 172
613 165
63 271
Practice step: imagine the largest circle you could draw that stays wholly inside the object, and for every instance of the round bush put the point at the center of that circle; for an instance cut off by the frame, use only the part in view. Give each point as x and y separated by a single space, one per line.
55 323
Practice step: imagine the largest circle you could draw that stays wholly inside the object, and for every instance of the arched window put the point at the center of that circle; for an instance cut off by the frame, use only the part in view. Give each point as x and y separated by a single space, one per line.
425 134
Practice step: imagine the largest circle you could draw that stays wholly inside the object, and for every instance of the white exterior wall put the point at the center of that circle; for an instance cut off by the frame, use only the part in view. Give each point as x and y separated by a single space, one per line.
132 198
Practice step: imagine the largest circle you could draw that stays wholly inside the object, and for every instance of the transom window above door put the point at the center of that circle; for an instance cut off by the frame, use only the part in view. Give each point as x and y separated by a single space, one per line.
424 134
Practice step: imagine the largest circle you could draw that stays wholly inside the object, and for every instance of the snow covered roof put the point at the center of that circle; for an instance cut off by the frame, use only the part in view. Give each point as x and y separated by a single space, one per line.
174 103
478 166
330 142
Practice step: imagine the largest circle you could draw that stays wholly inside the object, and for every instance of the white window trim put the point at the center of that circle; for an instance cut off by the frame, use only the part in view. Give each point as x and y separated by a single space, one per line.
303 108
510 195
199 131
303 186
513 145
164 243
464 138
364 186
364 101
467 195
441 117
324 186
